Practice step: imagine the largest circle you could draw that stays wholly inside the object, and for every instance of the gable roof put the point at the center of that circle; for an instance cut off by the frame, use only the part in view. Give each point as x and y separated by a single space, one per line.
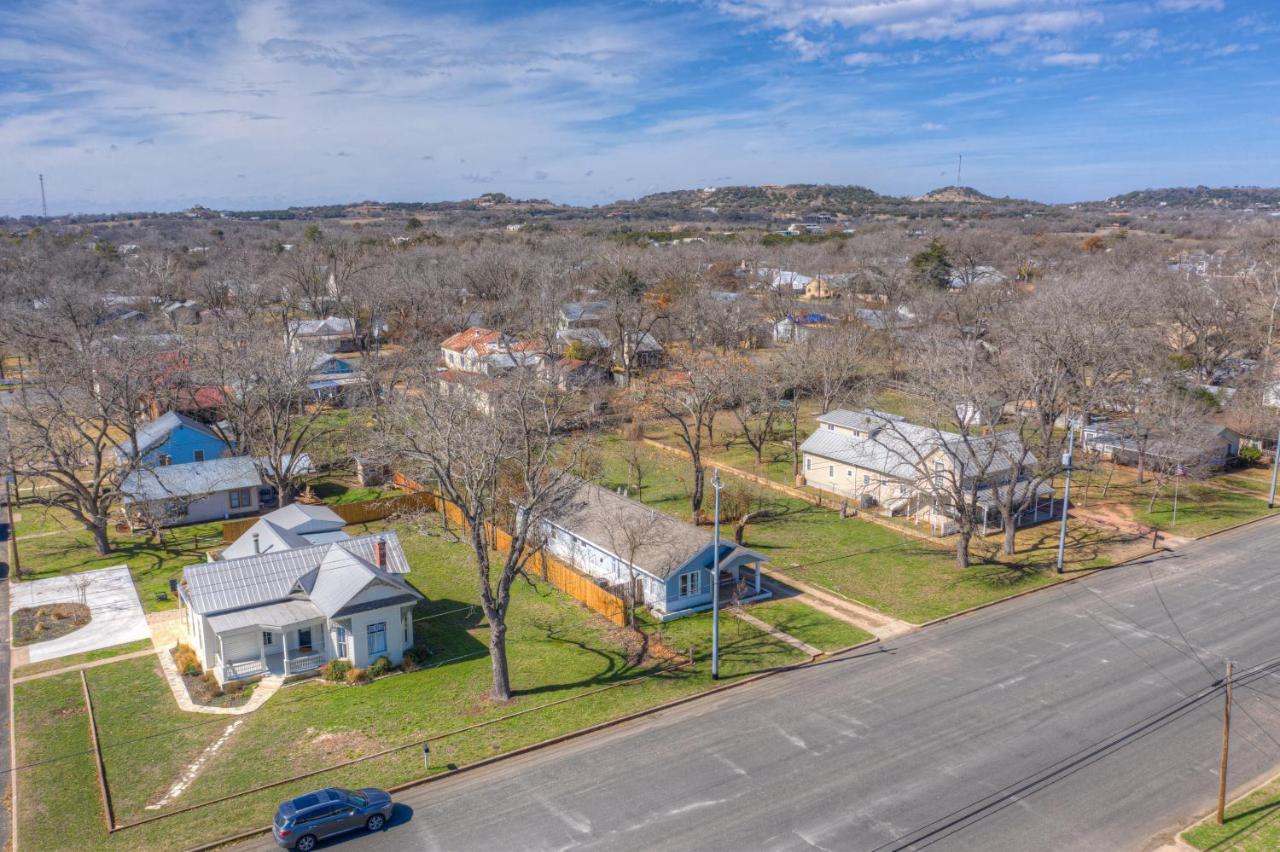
898 448
487 343
213 587
609 520
195 479
302 518
474 336
579 311
341 576
322 327
270 538
151 435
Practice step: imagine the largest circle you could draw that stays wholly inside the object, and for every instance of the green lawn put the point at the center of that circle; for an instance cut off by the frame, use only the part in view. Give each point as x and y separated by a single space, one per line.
151 563
808 624
36 518
1202 509
558 649
1252 824
905 577
336 492
86 657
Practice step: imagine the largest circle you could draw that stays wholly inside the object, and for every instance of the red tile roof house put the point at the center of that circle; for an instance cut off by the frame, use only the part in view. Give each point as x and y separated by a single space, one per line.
483 350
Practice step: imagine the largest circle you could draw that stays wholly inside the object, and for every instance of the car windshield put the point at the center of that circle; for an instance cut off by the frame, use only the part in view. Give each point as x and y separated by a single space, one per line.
356 797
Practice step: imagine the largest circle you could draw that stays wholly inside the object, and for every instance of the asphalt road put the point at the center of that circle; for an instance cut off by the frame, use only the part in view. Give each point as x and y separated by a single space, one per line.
1084 717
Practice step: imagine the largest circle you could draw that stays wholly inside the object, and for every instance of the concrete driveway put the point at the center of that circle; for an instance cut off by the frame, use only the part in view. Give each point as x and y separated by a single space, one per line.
117 615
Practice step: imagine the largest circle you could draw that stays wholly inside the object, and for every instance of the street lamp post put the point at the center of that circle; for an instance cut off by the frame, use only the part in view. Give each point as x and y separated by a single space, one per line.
716 485
1275 469
1066 491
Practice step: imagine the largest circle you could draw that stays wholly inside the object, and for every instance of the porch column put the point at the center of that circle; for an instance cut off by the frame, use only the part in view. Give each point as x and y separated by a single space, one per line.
984 519
757 578
284 641
221 659
262 651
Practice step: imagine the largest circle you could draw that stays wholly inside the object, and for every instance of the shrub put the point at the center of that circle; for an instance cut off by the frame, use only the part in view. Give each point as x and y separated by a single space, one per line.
357 676
335 670
380 666
184 657
417 656
1250 455
234 687
408 664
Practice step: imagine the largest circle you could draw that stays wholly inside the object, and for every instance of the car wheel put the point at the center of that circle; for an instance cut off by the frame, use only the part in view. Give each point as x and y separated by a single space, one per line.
376 822
305 843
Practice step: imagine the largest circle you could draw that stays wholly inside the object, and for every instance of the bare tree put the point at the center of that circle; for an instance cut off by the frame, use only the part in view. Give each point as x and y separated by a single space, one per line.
689 396
509 465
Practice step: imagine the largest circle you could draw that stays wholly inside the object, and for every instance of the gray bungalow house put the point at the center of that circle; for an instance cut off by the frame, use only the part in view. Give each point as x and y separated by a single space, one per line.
287 613
618 540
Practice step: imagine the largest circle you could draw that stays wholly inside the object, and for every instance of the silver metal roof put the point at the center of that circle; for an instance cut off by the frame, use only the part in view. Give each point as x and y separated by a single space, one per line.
231 584
283 614
195 479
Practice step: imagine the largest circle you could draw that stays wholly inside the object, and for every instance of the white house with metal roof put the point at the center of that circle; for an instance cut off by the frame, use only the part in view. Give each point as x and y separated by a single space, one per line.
288 612
618 541
295 525
211 490
880 459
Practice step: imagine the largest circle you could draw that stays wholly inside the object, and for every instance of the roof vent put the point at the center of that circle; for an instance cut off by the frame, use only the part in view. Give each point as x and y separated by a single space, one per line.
257 546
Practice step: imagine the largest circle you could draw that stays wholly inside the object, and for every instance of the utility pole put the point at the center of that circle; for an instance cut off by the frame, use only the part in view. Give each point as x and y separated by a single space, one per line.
44 207
1066 491
1275 468
1226 739
959 166
716 485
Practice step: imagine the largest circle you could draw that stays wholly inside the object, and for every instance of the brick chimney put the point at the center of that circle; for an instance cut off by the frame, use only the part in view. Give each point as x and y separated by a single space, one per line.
380 552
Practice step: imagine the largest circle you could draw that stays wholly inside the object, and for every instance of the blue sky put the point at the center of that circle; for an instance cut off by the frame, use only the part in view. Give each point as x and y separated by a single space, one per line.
132 104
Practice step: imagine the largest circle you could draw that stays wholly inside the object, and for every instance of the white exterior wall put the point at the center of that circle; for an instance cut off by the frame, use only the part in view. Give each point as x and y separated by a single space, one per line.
359 639
216 507
598 562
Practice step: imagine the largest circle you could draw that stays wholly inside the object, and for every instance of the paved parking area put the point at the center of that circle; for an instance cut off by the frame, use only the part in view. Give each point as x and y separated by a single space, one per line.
117 615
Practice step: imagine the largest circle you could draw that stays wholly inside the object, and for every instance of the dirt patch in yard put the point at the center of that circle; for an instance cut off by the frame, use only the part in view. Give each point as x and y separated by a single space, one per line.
49 621
339 745
1120 517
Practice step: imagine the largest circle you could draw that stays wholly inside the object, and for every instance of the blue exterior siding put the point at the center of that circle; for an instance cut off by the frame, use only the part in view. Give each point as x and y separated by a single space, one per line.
181 447
335 367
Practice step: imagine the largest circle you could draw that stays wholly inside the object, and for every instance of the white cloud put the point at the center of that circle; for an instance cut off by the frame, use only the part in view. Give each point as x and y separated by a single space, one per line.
862 59
1191 5
1073 60
933 126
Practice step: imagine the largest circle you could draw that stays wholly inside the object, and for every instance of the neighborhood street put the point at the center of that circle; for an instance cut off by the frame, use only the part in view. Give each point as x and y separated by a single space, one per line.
1084 717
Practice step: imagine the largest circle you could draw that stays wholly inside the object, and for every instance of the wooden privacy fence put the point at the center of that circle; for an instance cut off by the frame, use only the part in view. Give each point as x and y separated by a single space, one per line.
560 574
363 512
563 576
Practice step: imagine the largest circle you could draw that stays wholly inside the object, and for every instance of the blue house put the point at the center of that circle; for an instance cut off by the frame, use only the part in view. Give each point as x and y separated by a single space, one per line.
175 438
620 541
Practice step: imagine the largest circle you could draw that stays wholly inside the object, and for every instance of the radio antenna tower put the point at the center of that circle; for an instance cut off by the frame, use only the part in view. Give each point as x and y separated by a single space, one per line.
959 165
44 206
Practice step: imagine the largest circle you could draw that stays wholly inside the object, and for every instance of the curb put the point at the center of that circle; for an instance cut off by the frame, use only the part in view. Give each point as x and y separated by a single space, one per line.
1254 787
572 735
1025 592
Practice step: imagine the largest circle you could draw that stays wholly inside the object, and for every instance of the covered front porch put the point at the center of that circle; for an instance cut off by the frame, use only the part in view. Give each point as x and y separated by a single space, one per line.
285 640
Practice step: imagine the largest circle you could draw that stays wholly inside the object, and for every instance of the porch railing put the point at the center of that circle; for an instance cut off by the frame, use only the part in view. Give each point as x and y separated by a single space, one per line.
241 670
303 663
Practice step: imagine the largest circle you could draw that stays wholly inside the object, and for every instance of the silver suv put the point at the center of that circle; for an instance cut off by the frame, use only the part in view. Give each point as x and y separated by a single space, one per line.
303 822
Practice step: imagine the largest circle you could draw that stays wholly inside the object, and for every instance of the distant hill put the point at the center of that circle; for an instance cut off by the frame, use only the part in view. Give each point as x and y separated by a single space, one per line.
955 195
767 200
1201 197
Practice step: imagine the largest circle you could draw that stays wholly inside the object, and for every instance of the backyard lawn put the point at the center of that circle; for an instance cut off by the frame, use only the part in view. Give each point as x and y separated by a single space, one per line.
558 650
